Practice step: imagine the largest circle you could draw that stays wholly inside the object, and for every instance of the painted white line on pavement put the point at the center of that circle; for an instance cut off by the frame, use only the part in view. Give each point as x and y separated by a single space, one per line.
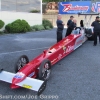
22 51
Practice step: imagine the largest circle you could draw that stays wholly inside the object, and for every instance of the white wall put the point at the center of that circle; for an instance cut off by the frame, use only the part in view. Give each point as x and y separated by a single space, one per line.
31 18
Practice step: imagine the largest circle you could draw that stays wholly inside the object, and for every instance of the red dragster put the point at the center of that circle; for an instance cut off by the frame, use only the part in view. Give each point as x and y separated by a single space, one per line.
34 74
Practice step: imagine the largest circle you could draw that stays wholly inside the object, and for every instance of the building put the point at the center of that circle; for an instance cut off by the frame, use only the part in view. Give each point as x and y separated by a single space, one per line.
11 10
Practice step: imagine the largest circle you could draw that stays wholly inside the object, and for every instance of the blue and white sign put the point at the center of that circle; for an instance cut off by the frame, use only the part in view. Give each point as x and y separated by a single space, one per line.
74 7
95 7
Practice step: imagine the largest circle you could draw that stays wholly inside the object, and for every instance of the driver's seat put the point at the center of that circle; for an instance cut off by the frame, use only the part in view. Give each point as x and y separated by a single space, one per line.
76 31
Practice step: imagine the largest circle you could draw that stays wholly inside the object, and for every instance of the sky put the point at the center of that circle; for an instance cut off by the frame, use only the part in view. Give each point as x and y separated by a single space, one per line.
20 5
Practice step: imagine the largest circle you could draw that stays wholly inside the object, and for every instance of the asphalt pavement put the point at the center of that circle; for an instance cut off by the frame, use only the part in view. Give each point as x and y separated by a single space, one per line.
76 77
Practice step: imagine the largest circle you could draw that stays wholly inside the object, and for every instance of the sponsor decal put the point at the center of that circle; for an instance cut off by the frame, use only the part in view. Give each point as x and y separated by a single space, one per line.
96 7
19 75
79 42
27 86
64 48
68 7
31 74
53 60
68 49
74 7
59 56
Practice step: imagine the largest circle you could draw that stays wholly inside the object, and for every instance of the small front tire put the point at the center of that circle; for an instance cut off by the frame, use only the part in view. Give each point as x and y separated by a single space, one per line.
21 62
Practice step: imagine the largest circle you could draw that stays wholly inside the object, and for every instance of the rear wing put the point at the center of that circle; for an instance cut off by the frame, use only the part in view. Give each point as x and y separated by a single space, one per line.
88 13
87 21
29 83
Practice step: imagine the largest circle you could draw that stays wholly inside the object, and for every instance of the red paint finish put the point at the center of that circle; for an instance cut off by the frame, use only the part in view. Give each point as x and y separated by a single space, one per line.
54 54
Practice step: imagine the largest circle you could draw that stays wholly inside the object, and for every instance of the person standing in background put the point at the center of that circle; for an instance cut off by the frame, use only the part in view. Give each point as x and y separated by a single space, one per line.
96 30
70 20
60 27
81 24
68 23
71 27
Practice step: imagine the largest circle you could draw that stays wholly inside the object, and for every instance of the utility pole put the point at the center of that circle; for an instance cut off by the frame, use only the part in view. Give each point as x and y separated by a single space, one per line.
41 7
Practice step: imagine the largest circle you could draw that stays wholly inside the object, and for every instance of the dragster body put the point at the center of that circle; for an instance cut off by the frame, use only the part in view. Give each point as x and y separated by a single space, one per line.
34 74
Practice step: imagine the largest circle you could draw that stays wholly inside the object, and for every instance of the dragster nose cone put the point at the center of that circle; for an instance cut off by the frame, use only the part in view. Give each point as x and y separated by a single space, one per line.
15 81
13 86
18 78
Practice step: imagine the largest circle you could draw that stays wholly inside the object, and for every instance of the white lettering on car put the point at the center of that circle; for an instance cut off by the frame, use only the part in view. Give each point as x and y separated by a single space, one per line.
59 56
68 49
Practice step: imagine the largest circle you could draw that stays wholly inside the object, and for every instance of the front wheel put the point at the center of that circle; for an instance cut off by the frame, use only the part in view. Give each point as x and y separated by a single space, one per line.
45 70
21 62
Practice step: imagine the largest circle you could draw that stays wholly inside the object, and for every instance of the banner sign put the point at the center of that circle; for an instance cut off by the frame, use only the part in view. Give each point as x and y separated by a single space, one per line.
95 7
74 7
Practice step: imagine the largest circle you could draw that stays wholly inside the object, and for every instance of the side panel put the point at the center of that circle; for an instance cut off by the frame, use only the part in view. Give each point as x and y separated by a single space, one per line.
78 42
64 49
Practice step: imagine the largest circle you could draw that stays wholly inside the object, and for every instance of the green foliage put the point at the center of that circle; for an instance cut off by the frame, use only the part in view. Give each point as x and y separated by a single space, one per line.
1 24
18 26
35 11
38 27
47 23
47 28
33 29
1 32
21 26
